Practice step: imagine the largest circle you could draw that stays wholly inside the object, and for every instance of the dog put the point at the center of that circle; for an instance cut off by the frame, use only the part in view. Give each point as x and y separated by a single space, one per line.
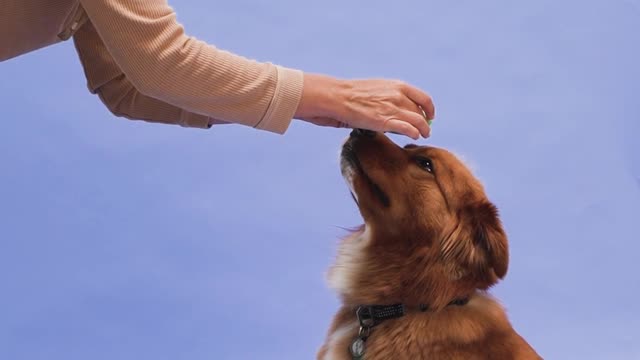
413 279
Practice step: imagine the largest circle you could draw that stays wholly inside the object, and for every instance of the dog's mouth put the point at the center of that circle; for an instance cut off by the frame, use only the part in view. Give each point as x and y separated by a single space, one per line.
351 167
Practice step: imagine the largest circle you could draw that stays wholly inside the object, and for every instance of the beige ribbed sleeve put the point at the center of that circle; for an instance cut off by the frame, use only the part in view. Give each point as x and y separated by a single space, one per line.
158 61
105 79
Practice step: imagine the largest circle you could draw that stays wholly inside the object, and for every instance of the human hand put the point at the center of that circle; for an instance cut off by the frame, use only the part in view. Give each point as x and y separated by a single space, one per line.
378 105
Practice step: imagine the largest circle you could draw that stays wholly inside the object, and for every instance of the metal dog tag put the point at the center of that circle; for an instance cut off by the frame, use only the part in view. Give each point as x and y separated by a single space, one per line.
357 348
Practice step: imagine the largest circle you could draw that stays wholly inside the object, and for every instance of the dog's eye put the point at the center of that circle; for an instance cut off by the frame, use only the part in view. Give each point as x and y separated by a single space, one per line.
425 163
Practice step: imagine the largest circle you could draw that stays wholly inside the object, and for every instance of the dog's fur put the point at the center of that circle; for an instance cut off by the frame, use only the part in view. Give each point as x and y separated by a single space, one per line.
430 236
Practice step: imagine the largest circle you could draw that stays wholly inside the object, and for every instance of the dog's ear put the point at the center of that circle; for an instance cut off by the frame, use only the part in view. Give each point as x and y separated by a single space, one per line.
489 252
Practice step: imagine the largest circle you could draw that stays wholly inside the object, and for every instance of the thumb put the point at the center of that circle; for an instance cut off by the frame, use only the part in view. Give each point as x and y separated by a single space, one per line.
325 121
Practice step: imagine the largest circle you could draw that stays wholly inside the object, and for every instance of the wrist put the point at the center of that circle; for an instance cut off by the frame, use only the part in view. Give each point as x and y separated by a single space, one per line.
322 96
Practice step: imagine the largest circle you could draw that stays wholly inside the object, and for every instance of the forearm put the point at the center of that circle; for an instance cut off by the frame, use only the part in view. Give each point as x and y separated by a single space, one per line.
154 53
123 100
105 79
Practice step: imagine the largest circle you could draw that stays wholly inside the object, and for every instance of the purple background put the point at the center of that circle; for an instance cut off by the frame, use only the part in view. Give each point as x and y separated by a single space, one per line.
126 240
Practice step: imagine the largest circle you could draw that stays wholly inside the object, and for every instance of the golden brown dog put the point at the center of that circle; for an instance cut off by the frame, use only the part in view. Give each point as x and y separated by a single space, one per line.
412 279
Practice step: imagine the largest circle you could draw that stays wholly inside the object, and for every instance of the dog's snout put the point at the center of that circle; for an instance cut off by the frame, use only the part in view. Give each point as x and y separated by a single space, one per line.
362 133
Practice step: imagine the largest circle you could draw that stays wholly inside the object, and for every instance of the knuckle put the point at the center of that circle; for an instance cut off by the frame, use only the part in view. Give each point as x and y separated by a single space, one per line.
417 119
398 84
398 95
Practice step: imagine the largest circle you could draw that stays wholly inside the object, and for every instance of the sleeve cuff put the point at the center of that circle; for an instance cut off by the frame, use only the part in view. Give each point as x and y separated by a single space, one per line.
285 101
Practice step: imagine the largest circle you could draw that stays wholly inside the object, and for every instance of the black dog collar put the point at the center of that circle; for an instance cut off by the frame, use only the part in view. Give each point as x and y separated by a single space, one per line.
370 316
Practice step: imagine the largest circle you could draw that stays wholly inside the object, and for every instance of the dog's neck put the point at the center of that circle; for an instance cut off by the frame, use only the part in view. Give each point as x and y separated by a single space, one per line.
380 312
359 280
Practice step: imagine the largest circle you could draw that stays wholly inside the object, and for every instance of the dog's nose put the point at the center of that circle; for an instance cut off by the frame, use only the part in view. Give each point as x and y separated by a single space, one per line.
363 133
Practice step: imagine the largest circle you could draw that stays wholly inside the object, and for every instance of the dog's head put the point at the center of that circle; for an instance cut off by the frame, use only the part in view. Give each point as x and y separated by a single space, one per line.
430 232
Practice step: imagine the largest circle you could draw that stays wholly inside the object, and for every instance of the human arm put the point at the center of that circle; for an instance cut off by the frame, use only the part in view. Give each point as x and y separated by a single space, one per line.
161 62
151 49
105 79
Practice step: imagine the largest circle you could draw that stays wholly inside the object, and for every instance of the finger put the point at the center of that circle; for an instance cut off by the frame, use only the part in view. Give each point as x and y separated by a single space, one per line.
401 127
416 116
418 121
421 98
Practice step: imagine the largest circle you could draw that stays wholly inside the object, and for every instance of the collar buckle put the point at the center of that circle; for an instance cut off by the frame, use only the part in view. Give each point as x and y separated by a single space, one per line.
365 316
